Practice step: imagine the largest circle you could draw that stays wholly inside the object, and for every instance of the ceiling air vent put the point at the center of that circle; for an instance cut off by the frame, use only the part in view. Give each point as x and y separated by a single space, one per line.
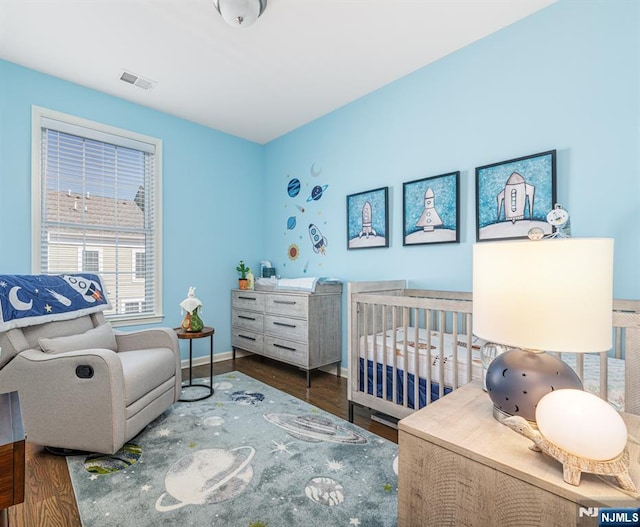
136 80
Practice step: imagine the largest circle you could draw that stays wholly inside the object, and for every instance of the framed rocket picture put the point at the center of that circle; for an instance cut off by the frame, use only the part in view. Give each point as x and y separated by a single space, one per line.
514 196
368 219
431 210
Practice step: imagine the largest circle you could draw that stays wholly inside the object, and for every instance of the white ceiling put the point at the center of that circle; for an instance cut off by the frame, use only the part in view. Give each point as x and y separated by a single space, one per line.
301 60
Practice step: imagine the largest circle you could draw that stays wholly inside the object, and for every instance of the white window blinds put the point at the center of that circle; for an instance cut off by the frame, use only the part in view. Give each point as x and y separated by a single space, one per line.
98 193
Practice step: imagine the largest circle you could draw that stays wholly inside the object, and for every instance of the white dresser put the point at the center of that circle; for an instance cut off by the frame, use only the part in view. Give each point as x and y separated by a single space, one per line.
299 328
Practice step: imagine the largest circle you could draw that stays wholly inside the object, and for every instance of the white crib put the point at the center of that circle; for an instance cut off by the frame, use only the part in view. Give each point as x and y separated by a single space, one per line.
397 335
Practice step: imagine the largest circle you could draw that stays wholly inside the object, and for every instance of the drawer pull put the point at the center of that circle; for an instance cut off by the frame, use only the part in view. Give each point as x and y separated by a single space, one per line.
284 347
285 325
287 302
248 298
246 318
245 337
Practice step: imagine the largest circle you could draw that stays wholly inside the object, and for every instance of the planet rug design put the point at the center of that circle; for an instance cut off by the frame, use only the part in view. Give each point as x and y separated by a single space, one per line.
244 397
291 223
314 429
325 491
207 476
128 455
214 420
316 192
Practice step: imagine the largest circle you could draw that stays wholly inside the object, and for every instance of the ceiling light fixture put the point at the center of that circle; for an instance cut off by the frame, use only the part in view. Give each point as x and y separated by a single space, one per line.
240 13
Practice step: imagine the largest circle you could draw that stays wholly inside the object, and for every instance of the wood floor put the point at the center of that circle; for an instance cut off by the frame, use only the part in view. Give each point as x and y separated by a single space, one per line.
49 497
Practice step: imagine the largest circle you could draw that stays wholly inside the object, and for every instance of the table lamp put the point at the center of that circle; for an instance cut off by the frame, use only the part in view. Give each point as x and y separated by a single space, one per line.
551 295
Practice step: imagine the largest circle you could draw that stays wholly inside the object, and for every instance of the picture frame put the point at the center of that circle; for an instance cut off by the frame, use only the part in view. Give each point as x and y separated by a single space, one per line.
515 196
431 210
368 219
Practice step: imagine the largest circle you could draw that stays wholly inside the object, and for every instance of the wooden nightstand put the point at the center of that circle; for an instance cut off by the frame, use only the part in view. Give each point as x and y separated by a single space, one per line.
460 467
12 454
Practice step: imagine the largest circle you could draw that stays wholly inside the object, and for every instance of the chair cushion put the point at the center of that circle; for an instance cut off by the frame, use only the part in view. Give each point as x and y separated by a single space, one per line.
145 370
100 337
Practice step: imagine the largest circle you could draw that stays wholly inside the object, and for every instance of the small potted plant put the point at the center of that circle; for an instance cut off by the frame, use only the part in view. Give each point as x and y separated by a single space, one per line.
243 270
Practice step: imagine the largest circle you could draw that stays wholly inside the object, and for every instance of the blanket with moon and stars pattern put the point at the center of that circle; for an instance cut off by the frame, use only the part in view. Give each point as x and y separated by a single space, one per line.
27 300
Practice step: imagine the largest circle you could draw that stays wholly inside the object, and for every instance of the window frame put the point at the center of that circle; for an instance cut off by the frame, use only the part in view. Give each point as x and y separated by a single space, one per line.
38 115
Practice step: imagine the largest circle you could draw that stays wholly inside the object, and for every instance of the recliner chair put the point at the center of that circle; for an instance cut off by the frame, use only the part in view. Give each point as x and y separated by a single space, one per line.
84 386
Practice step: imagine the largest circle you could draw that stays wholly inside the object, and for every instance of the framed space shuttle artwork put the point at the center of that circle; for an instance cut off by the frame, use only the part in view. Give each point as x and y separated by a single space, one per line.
514 196
368 219
430 210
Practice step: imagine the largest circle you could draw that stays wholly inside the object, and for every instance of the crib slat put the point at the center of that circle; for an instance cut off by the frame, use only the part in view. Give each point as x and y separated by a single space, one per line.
385 350
394 380
405 355
467 330
441 325
604 375
428 325
454 332
416 360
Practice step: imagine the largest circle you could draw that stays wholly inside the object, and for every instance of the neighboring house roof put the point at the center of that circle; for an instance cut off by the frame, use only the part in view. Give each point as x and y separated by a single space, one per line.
71 207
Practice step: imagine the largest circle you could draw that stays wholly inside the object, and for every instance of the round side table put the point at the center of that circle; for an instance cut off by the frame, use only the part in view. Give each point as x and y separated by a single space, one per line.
190 336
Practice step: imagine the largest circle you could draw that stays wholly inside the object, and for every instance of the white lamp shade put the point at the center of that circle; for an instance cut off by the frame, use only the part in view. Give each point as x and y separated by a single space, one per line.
548 295
581 423
240 13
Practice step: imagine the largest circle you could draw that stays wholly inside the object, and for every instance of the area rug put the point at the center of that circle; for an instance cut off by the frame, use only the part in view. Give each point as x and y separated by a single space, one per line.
249 456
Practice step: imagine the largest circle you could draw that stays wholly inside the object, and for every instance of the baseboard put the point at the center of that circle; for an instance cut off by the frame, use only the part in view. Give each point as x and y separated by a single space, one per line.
217 357
228 355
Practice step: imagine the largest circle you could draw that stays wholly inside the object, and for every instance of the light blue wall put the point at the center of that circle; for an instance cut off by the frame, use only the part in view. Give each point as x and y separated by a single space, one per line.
566 78
206 207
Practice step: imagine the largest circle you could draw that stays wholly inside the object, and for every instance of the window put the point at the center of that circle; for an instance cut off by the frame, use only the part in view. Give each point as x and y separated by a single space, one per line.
96 195
89 260
133 306
139 265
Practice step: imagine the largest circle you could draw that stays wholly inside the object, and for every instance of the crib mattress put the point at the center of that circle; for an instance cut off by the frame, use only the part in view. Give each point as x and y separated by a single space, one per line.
376 348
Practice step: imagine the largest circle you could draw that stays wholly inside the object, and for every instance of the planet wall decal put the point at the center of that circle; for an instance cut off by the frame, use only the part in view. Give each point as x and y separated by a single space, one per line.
316 192
293 188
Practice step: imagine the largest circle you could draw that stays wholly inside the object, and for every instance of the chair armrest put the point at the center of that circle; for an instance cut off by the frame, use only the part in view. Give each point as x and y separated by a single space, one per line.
150 339
147 338
58 402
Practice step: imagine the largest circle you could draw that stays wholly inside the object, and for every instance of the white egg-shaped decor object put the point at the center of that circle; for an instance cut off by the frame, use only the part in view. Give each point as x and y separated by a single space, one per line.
581 423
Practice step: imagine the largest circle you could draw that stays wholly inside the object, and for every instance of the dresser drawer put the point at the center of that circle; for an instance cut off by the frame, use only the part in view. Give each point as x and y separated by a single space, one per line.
290 305
292 352
248 320
248 300
247 340
285 327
